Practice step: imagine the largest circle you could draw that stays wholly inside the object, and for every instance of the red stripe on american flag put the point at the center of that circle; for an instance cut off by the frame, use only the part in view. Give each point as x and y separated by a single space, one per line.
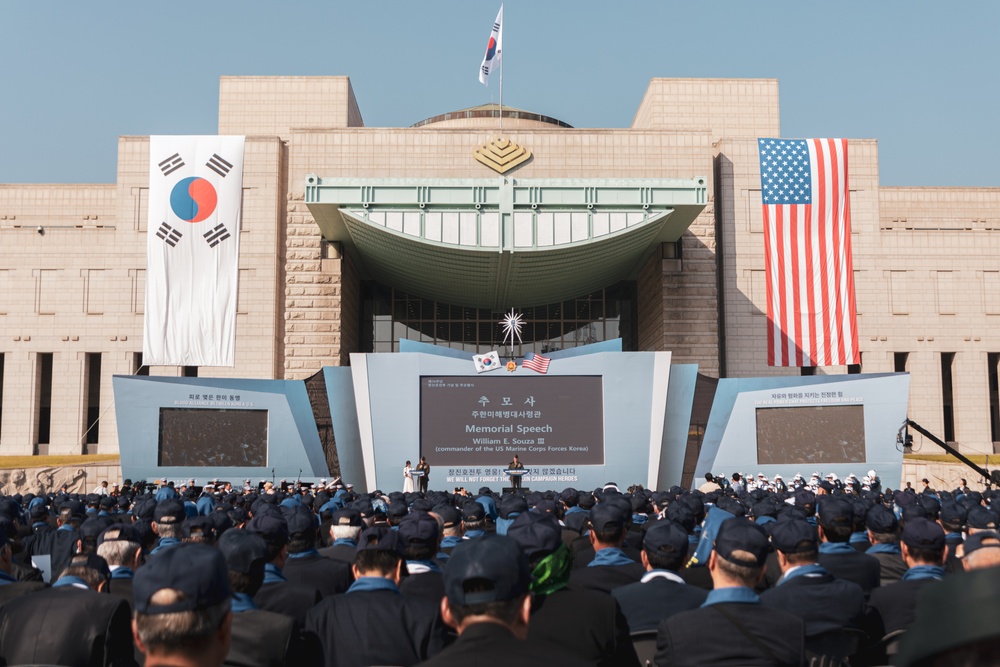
795 242
822 169
827 270
783 257
769 286
813 263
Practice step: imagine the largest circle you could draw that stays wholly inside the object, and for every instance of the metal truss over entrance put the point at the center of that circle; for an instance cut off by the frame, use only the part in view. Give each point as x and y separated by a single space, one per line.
494 243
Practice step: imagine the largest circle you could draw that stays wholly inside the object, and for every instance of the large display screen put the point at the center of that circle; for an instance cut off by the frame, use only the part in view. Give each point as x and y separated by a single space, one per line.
201 437
485 420
811 434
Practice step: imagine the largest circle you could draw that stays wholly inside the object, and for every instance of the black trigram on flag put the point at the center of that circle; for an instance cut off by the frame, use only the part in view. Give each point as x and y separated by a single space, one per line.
219 165
171 164
216 235
168 234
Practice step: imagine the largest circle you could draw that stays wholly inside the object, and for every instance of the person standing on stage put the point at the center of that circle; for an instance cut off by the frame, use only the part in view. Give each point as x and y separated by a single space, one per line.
515 480
407 479
426 468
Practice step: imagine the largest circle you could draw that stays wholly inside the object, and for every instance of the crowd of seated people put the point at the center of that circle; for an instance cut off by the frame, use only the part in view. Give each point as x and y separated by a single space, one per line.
733 572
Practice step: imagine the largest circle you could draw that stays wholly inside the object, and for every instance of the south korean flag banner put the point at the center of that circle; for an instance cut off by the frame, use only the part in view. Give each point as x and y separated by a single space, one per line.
192 250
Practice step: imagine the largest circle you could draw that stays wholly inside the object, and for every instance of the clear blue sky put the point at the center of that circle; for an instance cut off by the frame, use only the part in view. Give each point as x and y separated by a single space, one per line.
921 77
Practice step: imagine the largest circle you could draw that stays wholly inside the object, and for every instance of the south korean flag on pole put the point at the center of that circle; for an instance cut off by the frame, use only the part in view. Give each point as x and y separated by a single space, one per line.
192 246
494 50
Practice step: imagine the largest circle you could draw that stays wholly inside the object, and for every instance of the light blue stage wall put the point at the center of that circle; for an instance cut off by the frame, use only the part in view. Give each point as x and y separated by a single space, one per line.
647 408
292 440
730 443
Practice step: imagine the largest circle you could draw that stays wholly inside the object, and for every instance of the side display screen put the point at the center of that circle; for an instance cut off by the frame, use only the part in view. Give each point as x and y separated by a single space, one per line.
811 434
208 438
484 421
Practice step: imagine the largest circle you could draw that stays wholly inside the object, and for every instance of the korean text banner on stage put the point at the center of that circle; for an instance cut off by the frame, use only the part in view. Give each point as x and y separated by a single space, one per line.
192 265
485 420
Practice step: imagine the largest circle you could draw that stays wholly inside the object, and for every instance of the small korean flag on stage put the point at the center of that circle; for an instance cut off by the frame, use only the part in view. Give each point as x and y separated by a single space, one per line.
487 362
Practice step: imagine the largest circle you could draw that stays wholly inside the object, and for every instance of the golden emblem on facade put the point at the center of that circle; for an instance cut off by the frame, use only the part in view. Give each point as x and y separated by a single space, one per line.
501 155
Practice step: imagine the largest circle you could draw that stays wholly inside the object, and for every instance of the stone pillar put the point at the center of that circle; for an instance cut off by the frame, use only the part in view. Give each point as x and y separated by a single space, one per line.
19 423
112 363
323 302
678 300
68 403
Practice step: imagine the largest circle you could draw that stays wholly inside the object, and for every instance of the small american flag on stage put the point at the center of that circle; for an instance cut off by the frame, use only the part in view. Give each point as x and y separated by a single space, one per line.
536 362
807 247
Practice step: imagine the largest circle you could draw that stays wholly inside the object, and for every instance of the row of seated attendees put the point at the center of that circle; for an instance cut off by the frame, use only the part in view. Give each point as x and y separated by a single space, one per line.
326 576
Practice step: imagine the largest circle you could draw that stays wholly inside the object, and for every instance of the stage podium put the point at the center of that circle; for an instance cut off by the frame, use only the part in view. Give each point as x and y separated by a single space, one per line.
519 473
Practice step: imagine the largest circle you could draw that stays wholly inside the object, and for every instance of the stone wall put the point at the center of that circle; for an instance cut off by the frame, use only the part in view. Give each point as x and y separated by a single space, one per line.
942 476
80 479
322 299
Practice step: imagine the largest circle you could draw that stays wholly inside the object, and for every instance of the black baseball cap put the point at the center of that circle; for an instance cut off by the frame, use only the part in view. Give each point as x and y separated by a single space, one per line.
473 512
272 527
987 539
92 561
419 527
920 533
880 519
243 550
144 508
793 536
119 532
200 525
681 513
380 538
914 511
75 508
607 516
981 518
92 528
450 515
741 535
834 511
953 513
38 512
198 571
537 533
512 504
489 569
805 499
169 511
346 517
545 506
397 509
666 537
301 522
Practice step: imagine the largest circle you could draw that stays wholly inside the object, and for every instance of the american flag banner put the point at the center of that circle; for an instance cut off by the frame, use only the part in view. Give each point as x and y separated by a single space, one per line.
807 245
536 362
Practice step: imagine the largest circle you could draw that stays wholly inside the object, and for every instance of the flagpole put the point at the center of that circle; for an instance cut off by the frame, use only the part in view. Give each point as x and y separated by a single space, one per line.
501 90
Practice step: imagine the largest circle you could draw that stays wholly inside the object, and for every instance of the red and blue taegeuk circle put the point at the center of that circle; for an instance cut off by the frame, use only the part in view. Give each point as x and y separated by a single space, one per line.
193 199
491 48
